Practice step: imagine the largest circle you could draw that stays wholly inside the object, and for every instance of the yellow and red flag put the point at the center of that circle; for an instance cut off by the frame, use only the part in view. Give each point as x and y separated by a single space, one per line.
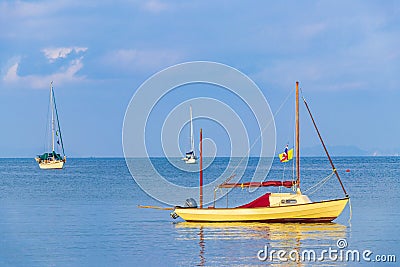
287 155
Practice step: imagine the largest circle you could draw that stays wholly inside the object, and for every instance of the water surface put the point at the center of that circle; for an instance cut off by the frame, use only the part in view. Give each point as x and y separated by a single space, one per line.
87 215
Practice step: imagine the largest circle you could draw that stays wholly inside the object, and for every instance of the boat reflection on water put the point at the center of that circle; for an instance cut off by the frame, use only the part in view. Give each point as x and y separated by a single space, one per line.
240 242
202 246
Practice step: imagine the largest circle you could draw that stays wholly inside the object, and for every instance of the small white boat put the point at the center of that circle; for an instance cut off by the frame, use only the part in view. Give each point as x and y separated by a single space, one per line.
53 160
190 156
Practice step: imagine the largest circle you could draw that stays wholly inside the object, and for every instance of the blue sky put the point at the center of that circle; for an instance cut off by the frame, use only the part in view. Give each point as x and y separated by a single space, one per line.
344 53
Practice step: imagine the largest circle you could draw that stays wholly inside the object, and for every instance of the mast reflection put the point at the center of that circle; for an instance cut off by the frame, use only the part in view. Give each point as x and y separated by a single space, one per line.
248 238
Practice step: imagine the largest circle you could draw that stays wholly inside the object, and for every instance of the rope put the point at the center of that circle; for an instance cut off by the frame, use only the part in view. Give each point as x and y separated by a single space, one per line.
154 207
283 177
351 213
262 131
58 124
47 130
294 178
319 184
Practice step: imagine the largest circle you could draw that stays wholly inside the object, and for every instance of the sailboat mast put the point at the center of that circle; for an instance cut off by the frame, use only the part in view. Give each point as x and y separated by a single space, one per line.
201 168
52 115
297 137
326 150
191 131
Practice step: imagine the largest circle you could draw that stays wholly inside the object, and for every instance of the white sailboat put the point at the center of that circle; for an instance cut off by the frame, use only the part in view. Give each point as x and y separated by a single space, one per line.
190 156
53 160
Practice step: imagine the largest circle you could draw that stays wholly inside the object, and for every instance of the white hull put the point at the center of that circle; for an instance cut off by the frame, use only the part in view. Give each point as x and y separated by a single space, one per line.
190 161
52 165
190 157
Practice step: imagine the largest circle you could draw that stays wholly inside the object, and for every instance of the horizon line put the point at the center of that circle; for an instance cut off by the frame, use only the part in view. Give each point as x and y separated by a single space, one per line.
119 157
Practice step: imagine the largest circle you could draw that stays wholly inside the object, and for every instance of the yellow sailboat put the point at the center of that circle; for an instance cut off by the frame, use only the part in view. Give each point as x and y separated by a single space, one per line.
271 207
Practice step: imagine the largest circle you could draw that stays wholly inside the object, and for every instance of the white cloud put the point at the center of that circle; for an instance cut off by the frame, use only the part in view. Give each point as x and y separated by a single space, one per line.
335 51
61 52
11 74
66 73
69 74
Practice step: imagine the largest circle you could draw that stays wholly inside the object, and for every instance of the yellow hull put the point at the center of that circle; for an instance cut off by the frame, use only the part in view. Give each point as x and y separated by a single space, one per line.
324 211
52 165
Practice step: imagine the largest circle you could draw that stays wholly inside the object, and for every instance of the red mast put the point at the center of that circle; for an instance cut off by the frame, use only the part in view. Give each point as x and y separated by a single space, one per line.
297 137
201 168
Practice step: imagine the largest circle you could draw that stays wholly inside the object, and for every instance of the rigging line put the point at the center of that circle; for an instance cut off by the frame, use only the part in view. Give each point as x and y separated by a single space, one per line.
290 126
154 207
262 130
294 143
318 185
47 129
351 213
323 144
58 124
321 181
316 189
226 181
283 177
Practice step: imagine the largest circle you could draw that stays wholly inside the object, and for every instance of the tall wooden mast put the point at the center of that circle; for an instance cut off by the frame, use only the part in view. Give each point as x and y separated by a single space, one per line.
297 137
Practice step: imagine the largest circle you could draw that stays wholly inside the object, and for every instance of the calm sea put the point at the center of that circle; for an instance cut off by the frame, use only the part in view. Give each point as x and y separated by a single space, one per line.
87 215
